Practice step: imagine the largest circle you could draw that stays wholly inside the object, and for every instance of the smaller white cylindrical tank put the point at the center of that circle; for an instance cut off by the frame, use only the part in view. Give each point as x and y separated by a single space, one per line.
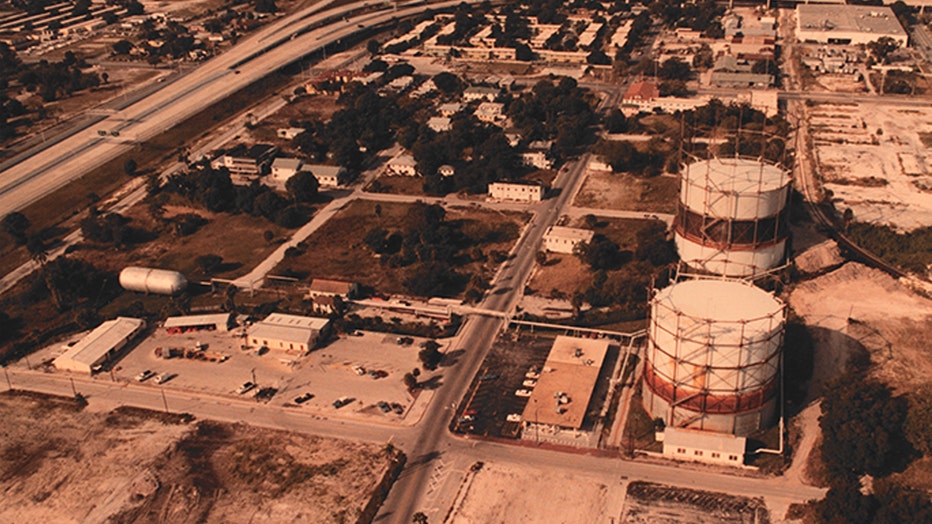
150 280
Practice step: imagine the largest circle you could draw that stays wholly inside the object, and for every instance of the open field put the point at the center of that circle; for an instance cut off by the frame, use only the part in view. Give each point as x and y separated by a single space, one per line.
62 464
339 251
873 158
622 191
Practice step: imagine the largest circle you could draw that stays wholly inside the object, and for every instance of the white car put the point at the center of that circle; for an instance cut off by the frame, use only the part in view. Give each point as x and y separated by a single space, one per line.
145 375
513 417
522 393
164 377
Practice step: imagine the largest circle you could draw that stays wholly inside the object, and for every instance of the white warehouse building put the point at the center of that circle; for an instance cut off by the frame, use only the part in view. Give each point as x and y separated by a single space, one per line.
847 24
100 345
291 333
559 239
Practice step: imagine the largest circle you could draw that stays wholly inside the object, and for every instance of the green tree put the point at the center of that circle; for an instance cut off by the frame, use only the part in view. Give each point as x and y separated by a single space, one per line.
122 47
430 356
209 264
882 48
129 167
302 186
15 224
919 422
409 381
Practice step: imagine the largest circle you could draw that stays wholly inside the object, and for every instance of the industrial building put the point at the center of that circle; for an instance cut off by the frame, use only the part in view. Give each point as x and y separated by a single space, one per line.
559 239
189 323
291 333
731 216
100 345
713 356
703 446
847 24
562 394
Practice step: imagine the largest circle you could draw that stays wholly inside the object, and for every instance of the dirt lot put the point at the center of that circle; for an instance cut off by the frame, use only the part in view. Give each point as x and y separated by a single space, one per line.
339 251
504 493
857 308
650 503
623 191
874 160
61 464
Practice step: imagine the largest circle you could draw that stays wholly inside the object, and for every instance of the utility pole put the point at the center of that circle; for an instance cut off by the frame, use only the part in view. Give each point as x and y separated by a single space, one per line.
74 391
164 400
7 374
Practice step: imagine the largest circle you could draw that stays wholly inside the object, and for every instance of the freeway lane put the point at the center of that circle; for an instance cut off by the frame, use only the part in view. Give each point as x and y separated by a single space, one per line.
216 79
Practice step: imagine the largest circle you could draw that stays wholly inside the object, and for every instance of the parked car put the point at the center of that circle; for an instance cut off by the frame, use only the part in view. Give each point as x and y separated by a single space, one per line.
303 398
342 401
145 375
359 370
165 377
245 388
522 393
384 406
513 417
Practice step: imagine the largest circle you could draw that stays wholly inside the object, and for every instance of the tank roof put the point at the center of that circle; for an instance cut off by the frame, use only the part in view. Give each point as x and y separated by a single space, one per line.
719 300
741 175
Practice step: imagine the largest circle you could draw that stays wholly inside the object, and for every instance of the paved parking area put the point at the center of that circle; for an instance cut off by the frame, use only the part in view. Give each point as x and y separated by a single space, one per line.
326 373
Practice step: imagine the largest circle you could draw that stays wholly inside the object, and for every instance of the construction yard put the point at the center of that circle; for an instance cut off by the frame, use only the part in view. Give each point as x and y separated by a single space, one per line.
60 463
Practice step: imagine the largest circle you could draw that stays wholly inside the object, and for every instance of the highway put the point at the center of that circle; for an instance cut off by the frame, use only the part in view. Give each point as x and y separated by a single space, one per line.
279 44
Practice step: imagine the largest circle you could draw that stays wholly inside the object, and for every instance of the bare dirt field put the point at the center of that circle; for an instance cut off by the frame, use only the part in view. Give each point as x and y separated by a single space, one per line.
857 308
504 493
874 161
63 464
623 191
560 276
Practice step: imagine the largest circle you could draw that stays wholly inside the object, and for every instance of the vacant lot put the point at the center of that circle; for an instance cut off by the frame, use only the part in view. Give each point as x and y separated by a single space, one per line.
629 193
61 464
507 493
337 250
650 503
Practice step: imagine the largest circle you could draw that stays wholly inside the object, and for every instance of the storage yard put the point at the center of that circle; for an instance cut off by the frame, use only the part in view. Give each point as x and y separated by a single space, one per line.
59 463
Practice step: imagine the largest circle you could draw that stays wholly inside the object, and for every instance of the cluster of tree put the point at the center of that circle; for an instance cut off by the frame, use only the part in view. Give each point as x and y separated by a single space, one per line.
700 16
911 251
863 433
54 80
624 156
467 21
176 41
562 112
515 32
547 11
432 246
479 152
732 117
109 228
430 356
16 225
213 189
366 123
621 278
639 28
71 282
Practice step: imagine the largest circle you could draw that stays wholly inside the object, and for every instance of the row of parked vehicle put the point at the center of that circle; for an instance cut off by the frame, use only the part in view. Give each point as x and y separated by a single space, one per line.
160 378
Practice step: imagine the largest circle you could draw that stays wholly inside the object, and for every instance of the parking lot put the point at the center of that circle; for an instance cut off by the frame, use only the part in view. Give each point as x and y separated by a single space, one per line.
339 370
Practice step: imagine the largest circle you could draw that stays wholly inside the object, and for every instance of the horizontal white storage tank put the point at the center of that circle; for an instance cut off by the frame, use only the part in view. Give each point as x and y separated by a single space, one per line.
734 188
714 354
151 280
731 262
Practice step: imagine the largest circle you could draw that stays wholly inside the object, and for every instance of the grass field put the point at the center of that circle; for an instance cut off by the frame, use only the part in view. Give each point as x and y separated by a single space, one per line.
337 249
626 192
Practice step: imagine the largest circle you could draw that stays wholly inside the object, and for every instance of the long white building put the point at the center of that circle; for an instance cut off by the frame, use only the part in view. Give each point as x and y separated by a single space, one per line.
100 345
847 24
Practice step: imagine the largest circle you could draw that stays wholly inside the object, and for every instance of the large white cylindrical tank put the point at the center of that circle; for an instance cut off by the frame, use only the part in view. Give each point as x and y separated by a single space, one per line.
737 188
713 357
150 280
731 216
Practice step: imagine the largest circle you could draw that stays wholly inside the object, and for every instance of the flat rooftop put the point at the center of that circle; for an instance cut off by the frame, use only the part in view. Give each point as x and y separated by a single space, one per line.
572 369
102 339
849 19
572 233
